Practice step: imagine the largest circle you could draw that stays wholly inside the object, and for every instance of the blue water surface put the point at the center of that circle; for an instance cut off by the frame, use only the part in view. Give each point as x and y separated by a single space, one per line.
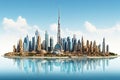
60 69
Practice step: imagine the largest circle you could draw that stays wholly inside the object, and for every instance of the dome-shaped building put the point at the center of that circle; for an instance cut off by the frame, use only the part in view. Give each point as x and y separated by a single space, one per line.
58 47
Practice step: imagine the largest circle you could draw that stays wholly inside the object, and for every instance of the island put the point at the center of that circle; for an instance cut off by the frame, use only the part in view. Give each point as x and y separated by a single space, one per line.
64 48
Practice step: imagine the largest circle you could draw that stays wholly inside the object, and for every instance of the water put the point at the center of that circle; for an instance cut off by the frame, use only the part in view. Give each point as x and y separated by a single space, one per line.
60 69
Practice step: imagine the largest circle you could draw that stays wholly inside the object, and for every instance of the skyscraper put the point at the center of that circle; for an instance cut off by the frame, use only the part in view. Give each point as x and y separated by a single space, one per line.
14 48
94 46
58 34
37 34
59 44
103 45
69 43
74 42
99 47
20 48
33 44
26 43
30 46
107 49
87 46
91 47
63 40
46 41
38 47
78 46
51 43
43 44
66 46
82 43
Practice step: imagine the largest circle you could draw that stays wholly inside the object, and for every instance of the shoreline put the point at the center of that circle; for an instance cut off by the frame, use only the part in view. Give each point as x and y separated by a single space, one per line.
72 57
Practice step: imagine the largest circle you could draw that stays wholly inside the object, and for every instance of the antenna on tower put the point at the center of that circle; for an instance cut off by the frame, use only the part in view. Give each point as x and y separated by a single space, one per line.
58 15
58 34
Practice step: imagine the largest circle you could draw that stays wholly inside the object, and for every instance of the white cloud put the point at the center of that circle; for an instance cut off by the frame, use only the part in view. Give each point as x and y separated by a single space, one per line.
67 32
111 34
7 42
20 25
53 27
90 27
64 32
13 30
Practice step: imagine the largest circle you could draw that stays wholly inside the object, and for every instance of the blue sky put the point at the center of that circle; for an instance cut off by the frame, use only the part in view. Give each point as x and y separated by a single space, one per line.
94 19
103 13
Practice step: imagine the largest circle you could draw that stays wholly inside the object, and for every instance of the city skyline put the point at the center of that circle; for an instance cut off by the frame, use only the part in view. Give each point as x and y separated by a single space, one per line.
64 45
91 19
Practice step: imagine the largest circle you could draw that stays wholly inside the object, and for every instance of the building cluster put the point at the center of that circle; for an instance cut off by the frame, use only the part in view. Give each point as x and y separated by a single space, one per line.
35 44
66 45
63 44
74 45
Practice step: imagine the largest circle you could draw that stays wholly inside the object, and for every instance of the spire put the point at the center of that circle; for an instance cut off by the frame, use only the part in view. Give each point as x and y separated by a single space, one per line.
58 16
58 34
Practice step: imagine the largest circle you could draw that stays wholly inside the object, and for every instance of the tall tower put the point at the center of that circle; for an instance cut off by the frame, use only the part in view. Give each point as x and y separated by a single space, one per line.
82 43
51 43
103 44
46 41
58 34
20 46
107 49
38 47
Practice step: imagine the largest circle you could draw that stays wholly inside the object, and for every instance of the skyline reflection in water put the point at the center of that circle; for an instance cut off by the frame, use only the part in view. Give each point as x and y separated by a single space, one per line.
61 65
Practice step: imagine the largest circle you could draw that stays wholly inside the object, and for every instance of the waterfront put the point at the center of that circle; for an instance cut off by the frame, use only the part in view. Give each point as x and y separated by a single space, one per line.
60 69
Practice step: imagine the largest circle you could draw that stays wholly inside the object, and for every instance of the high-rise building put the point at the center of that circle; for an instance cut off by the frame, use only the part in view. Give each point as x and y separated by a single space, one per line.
71 46
43 45
20 48
87 43
17 47
91 47
87 46
14 48
30 46
82 42
103 46
78 46
69 43
46 41
58 34
66 46
99 47
37 34
63 45
107 49
38 47
26 43
59 44
74 41
51 43
33 44
94 46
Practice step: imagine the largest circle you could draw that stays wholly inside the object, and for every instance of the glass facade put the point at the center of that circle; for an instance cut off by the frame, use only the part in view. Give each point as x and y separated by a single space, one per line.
46 41
51 43
26 43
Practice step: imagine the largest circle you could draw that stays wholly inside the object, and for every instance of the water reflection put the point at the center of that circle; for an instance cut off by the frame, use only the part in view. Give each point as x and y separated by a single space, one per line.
61 65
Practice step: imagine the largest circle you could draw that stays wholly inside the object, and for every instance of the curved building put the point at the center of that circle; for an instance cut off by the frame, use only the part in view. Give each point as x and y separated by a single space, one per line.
58 47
